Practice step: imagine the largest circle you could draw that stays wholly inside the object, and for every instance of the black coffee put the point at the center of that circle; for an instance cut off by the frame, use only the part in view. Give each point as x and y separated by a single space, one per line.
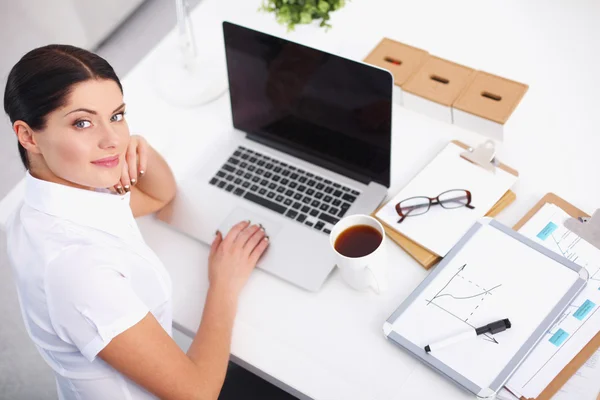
358 241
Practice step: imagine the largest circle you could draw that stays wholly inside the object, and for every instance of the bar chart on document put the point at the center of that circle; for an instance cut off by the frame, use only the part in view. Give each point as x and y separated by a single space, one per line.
580 321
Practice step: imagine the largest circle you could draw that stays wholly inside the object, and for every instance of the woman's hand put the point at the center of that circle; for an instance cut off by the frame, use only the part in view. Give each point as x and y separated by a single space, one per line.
233 258
134 167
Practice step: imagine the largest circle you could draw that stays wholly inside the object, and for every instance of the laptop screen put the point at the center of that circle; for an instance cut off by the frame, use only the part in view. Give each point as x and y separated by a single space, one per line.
326 109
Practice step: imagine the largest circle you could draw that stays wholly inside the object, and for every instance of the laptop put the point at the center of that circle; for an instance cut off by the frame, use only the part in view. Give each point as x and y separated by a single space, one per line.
313 145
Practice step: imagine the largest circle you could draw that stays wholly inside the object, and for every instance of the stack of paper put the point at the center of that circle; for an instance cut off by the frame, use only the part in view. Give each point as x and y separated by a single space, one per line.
579 323
585 384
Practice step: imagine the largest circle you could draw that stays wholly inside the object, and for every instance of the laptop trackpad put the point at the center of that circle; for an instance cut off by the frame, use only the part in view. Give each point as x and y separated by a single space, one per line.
240 214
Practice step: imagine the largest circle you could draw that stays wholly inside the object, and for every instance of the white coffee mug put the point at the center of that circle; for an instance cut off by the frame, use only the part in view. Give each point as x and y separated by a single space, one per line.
367 271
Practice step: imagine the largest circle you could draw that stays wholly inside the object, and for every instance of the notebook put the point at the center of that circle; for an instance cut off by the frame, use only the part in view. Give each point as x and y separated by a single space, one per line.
492 273
439 229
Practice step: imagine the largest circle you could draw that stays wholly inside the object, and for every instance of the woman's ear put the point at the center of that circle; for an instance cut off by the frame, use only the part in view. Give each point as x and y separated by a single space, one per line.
25 136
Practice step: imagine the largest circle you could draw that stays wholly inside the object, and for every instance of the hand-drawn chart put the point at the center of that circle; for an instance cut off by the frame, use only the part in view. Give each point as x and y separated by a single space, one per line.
463 298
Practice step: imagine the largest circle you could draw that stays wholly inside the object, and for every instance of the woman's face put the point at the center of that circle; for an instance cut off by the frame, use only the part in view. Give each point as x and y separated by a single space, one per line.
84 142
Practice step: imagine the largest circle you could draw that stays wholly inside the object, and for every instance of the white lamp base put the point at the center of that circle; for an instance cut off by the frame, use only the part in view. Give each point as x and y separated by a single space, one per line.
204 82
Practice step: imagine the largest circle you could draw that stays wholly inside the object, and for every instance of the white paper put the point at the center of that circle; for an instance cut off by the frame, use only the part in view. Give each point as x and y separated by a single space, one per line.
440 229
504 394
585 384
491 278
579 323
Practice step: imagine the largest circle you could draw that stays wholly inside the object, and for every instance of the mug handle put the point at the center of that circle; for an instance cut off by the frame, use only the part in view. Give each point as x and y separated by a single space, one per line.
378 279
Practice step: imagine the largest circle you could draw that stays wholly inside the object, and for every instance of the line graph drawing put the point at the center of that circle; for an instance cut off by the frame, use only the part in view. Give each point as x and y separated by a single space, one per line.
467 297
462 298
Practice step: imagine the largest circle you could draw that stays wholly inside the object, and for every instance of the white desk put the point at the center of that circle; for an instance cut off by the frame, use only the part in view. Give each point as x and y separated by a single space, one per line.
329 345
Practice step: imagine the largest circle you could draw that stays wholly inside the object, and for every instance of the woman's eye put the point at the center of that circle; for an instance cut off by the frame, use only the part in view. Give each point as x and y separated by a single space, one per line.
118 117
81 124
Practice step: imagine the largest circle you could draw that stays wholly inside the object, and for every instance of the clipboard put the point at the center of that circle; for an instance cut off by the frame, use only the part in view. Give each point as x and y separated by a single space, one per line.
409 336
426 258
569 370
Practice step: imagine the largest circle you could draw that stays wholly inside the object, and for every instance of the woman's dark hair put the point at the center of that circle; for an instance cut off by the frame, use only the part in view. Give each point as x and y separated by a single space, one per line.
43 78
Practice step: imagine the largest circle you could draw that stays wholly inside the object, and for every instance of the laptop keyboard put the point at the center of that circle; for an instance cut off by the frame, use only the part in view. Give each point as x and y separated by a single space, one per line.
299 195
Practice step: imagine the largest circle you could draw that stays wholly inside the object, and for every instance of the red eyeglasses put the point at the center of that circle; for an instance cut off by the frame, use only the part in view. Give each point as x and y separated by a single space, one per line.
419 205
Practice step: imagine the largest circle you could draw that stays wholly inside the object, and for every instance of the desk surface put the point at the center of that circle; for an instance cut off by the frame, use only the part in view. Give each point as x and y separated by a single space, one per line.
330 345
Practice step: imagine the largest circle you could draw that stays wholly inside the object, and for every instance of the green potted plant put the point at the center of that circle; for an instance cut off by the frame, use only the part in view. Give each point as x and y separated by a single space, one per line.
293 12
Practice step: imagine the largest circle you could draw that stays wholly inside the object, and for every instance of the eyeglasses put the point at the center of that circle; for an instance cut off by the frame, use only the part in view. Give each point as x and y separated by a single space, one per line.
419 205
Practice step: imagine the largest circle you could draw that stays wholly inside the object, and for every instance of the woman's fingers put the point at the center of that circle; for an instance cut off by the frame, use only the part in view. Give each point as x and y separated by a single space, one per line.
119 188
234 232
125 183
142 153
254 240
131 159
215 245
259 250
246 234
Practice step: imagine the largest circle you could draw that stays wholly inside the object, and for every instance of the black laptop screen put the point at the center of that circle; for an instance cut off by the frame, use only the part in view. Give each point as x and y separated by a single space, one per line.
328 110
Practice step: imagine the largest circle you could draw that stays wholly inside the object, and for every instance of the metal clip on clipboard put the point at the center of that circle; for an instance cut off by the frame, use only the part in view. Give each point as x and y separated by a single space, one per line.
483 155
586 228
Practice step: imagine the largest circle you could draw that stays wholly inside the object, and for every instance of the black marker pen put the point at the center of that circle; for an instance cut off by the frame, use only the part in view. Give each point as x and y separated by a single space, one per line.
493 328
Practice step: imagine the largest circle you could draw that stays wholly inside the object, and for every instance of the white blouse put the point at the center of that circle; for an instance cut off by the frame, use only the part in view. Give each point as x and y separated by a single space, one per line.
84 275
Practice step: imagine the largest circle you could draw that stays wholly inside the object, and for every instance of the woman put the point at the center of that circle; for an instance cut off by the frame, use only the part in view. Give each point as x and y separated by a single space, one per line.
96 301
